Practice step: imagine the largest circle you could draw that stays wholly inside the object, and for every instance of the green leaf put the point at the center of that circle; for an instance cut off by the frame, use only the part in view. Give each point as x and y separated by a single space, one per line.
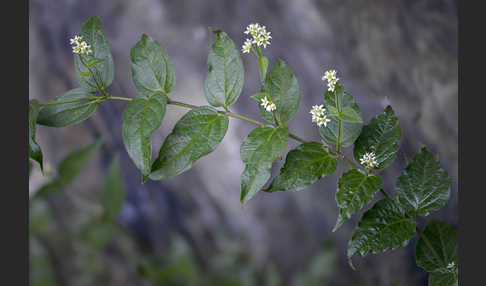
224 81
423 185
443 279
113 193
262 67
64 114
443 240
349 114
380 136
101 59
152 70
69 168
304 165
383 227
355 189
196 134
35 151
258 151
142 116
282 89
340 103
97 233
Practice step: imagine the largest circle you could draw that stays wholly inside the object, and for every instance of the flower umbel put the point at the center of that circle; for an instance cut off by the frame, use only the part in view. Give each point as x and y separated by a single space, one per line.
260 37
331 78
268 105
319 116
80 46
369 160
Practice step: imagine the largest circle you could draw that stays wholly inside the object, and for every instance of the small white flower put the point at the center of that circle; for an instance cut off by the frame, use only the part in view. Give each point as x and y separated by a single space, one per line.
451 266
271 107
331 86
329 75
322 120
268 105
246 48
319 116
369 160
317 110
76 40
265 102
331 78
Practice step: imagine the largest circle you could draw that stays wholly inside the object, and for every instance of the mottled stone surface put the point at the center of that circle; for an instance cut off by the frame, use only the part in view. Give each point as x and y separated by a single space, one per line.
400 52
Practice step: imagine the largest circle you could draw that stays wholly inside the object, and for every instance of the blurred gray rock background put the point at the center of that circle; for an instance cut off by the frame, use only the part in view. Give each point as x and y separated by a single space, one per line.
398 52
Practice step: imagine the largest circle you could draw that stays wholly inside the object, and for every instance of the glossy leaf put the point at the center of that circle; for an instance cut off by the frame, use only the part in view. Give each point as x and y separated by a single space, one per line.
443 279
69 169
60 115
196 134
443 239
342 105
152 70
101 60
383 227
304 165
423 185
282 88
355 189
224 81
142 116
113 193
258 151
380 136
35 151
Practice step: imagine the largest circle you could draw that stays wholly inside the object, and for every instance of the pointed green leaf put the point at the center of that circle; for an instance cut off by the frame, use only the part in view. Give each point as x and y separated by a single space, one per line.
423 185
355 189
101 60
282 89
60 115
196 134
142 116
35 151
152 70
383 227
340 103
380 136
443 279
258 151
224 81
304 165
262 67
113 193
69 169
443 240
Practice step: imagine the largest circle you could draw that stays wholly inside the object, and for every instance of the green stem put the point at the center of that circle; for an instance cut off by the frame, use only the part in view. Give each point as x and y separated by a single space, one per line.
119 98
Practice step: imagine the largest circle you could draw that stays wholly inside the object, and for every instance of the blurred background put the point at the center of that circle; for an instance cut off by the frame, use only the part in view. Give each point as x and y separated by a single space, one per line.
192 229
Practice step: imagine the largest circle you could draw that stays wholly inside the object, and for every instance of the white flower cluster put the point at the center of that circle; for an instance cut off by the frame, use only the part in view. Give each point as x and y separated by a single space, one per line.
80 46
369 160
260 37
331 78
319 116
269 105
